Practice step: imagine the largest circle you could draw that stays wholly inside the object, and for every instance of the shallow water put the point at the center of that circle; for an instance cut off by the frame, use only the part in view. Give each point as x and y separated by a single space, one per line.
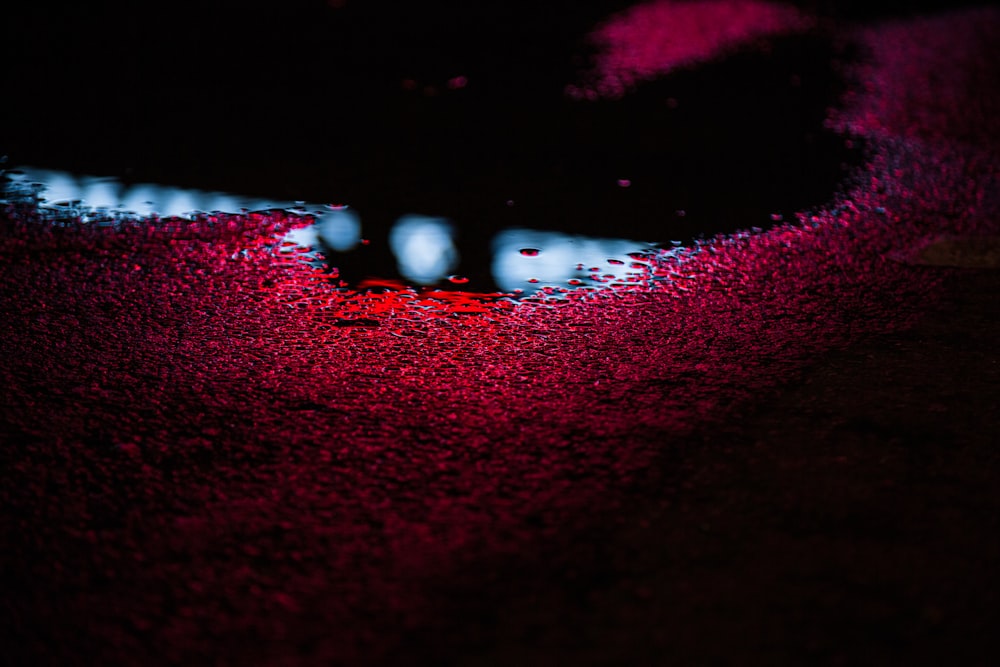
423 247
476 121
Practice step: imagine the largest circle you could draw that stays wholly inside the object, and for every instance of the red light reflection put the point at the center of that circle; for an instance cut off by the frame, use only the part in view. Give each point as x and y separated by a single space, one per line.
208 443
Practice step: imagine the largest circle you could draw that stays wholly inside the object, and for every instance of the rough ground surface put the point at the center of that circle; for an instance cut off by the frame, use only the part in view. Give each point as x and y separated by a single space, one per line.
774 448
851 518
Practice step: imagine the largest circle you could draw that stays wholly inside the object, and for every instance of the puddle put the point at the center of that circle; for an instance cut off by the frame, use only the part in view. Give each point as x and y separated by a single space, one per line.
478 130
209 447
423 248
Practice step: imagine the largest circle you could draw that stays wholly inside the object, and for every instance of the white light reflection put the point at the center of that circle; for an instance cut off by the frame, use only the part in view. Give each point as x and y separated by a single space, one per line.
423 247
141 199
524 259
174 201
109 194
339 228
59 187
304 237
100 192
221 202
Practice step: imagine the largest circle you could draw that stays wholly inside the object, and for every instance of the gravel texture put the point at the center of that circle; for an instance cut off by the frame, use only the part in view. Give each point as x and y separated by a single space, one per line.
775 447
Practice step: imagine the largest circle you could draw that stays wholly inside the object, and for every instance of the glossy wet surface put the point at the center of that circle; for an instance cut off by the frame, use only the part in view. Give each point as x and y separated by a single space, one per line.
216 455
489 129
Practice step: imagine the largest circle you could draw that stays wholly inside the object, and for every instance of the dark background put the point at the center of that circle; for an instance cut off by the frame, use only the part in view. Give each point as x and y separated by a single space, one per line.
848 519
306 99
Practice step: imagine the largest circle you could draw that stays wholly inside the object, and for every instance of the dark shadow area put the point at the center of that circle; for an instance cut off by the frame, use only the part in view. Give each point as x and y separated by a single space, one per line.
723 147
790 460
863 10
440 108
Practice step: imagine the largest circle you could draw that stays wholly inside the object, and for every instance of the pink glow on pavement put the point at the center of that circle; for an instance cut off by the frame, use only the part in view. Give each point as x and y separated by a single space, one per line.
902 89
211 446
655 38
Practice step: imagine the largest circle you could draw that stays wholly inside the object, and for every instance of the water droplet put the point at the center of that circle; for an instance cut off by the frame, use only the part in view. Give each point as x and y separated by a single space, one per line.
529 252
624 183
458 280
615 261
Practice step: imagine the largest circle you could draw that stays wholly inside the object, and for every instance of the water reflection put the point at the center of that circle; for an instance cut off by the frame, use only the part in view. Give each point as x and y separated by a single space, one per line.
62 190
424 248
527 258
421 249
340 228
